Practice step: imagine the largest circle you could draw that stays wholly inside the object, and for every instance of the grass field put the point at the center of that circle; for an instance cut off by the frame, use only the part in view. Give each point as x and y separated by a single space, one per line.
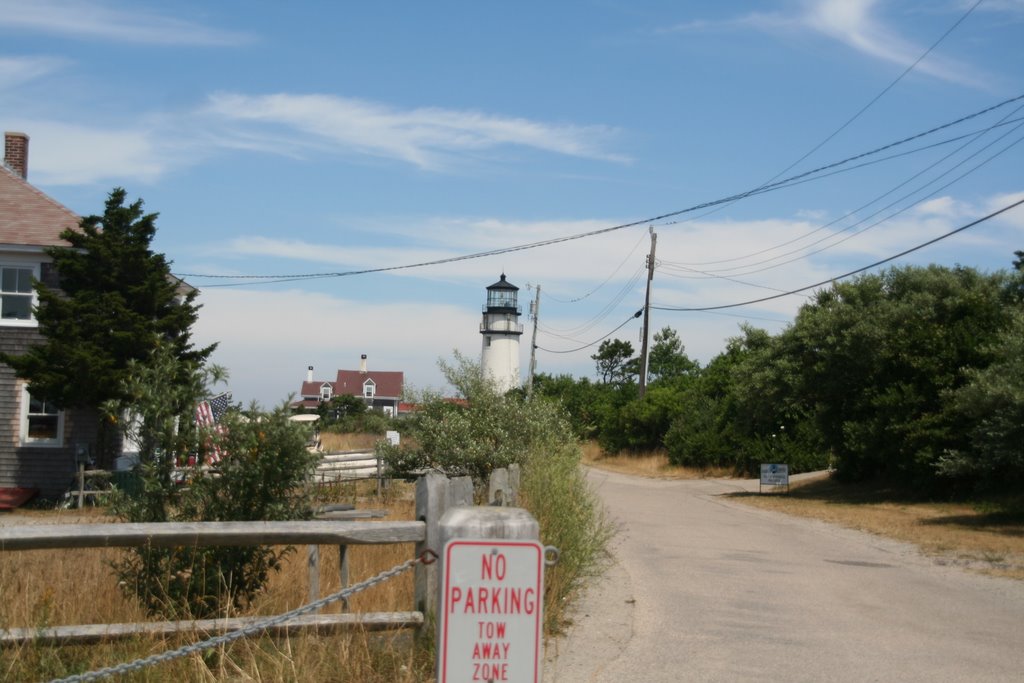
61 587
985 536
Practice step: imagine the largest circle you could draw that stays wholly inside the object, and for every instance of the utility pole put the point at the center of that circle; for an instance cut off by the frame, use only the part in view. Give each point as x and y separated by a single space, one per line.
534 311
647 315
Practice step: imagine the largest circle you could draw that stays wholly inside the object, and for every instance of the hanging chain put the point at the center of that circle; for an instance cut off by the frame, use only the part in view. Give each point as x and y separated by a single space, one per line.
427 557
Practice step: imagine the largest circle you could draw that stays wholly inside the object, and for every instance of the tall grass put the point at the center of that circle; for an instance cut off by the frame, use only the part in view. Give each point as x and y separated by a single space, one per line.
58 587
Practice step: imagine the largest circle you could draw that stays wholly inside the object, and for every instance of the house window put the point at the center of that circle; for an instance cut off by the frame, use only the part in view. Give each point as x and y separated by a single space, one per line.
325 392
42 424
369 389
16 294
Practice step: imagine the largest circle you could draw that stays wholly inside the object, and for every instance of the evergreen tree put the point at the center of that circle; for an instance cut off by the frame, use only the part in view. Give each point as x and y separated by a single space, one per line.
117 302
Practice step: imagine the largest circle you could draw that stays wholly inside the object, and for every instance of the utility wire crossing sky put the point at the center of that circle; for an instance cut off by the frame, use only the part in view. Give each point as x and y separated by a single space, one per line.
291 148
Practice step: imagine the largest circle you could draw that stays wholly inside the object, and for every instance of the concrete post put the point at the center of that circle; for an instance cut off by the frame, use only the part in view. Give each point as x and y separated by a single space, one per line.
521 652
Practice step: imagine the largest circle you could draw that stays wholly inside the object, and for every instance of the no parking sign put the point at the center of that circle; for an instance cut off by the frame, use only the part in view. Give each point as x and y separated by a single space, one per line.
492 611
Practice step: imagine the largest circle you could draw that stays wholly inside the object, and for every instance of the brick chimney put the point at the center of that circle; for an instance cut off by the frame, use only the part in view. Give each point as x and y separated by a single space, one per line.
16 153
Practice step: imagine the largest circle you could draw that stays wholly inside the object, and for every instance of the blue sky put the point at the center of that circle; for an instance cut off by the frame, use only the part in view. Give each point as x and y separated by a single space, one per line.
308 137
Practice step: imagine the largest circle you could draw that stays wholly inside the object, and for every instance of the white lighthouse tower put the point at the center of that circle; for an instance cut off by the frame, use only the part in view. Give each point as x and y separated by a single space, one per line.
501 329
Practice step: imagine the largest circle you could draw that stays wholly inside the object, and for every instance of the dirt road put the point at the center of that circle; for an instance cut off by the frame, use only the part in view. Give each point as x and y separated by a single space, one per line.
709 590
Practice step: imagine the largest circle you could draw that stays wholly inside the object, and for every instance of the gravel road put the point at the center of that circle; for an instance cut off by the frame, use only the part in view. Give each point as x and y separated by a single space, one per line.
703 589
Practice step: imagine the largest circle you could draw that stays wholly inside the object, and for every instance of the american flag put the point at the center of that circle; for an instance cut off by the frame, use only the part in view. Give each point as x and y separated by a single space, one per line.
208 415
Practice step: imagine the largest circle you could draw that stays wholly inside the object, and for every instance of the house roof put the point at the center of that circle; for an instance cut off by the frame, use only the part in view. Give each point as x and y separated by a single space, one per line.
313 388
388 384
28 217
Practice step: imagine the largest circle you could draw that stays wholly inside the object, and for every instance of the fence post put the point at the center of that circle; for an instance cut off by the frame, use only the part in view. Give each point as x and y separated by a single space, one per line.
81 485
435 494
431 501
313 570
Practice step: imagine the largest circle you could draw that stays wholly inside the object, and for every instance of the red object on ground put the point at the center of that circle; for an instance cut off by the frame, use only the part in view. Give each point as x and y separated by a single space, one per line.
14 497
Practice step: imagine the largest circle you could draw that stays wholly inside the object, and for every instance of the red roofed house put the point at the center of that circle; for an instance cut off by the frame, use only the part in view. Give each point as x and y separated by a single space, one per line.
38 443
382 390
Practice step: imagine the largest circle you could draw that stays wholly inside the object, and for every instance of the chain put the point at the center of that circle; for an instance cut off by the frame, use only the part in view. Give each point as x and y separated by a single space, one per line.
427 557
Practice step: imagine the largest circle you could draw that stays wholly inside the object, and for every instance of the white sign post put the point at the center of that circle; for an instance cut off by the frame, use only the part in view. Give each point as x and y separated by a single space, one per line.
775 475
491 611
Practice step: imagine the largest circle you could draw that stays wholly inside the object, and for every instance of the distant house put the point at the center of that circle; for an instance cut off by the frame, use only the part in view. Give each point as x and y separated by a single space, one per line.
380 389
38 443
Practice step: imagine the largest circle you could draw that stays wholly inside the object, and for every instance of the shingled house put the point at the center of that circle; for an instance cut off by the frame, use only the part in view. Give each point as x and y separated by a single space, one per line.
38 443
381 390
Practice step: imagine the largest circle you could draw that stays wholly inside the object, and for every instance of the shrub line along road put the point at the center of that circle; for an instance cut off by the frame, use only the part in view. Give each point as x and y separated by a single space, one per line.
704 589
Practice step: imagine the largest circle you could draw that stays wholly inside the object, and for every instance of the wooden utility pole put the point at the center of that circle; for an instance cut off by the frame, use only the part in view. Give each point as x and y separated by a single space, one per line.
647 315
535 312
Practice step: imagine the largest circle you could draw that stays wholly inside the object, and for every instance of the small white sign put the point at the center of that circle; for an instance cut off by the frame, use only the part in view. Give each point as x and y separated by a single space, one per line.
491 611
393 437
774 475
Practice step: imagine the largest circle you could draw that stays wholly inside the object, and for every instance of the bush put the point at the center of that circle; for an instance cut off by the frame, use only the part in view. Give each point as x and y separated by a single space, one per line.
487 430
263 475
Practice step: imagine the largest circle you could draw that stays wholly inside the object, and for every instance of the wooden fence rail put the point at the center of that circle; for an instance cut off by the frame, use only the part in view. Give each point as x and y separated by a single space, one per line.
435 494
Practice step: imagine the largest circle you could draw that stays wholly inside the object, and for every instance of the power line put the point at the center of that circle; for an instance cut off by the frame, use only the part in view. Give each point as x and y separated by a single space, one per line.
606 281
274 279
867 106
852 272
603 313
586 346
973 134
804 254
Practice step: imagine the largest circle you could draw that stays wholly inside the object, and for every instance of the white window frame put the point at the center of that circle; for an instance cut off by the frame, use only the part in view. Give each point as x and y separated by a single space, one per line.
325 392
26 440
34 266
369 389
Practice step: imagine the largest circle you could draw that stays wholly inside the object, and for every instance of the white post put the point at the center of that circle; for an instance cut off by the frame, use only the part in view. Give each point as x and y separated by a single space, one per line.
490 625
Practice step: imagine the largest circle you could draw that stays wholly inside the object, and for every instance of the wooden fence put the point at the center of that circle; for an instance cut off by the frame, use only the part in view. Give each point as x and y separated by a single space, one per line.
435 493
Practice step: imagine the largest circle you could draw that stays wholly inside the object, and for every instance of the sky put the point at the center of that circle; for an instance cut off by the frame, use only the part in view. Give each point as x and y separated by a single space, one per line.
411 140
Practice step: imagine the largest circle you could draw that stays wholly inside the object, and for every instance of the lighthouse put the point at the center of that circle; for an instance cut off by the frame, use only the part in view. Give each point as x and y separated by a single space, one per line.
499 357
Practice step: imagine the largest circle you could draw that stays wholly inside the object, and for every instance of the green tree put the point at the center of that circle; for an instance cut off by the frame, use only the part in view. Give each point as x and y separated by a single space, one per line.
116 303
992 401
615 362
668 359
877 358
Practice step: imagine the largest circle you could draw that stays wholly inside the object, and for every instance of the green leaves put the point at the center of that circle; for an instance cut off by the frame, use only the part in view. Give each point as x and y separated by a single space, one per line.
117 302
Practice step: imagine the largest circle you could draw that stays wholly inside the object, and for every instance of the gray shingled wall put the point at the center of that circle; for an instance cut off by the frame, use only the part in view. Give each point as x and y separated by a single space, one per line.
47 468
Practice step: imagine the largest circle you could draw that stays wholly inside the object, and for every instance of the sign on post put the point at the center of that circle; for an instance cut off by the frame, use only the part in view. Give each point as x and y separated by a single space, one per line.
491 611
774 475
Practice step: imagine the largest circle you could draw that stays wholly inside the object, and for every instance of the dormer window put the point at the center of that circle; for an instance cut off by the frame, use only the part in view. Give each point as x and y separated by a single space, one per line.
16 296
369 389
325 392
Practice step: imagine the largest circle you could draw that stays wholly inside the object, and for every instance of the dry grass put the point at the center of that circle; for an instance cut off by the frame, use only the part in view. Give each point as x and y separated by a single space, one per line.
332 441
982 537
653 464
47 588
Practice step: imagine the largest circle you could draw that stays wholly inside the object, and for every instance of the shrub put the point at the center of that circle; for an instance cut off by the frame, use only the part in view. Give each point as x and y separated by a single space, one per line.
488 430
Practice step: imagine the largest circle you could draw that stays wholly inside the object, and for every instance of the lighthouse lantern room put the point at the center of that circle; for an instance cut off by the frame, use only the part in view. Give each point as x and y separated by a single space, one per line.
501 330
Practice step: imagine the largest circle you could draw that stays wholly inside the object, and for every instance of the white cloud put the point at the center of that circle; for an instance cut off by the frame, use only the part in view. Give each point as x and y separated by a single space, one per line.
102 21
267 339
68 154
426 137
854 23
287 125
1013 217
15 71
